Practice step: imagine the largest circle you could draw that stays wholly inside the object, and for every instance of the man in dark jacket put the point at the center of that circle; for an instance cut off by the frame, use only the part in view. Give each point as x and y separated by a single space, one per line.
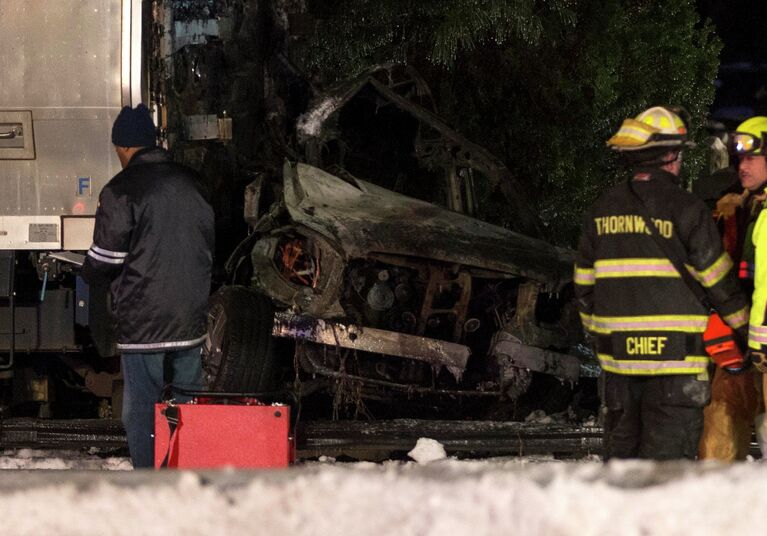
154 241
645 319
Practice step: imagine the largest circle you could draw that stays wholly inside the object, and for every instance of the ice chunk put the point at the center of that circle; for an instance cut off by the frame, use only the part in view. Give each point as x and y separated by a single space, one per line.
427 450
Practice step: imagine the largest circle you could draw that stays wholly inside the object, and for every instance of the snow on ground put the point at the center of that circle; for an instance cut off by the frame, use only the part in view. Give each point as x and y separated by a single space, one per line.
62 459
529 496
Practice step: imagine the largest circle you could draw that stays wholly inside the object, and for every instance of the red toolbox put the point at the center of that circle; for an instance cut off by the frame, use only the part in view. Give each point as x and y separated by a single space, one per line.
207 433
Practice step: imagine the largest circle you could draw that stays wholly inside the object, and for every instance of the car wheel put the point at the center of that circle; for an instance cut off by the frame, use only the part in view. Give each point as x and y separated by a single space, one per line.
238 354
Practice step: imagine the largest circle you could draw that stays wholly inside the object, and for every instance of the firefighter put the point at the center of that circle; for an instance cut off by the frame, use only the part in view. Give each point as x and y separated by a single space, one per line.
646 322
153 240
749 143
735 399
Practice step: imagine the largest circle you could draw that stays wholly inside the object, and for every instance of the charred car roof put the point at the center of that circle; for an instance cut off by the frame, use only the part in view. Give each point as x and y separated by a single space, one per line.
364 219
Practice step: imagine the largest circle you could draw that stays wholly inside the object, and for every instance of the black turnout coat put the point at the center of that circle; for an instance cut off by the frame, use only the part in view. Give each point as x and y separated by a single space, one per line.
643 316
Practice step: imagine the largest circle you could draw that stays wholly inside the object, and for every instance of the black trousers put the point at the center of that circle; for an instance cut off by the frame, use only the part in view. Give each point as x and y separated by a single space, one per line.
653 417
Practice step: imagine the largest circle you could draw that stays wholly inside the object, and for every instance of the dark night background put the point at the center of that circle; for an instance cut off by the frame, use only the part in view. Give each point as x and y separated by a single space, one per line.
742 82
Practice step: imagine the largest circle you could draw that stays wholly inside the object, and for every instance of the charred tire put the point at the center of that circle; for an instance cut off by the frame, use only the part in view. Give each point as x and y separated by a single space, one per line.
239 354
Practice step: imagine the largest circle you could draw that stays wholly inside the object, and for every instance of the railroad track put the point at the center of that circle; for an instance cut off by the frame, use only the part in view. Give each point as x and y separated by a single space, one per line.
386 439
354 439
358 440
62 434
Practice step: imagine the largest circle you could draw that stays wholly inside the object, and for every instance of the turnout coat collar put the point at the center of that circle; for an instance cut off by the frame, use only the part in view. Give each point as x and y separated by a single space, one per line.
654 174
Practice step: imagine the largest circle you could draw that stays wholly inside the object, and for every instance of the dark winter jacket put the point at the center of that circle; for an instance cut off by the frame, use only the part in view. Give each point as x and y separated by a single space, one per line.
154 240
645 319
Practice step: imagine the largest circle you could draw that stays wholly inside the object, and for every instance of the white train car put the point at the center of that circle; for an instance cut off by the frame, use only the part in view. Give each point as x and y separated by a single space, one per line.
66 69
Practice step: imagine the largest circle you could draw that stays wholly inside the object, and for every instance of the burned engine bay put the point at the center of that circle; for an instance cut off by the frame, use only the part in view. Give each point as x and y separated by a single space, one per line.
390 298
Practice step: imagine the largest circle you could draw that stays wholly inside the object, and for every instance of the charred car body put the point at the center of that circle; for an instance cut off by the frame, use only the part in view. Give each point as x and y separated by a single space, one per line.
389 297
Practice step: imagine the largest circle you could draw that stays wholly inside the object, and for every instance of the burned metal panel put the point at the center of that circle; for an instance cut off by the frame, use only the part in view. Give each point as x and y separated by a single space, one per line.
208 127
437 353
253 195
516 354
364 219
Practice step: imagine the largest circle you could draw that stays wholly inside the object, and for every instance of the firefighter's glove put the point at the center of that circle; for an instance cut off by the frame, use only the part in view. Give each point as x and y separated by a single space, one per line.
758 359
728 204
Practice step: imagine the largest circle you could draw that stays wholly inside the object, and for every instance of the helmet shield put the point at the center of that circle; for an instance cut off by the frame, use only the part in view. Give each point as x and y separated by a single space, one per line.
744 143
750 137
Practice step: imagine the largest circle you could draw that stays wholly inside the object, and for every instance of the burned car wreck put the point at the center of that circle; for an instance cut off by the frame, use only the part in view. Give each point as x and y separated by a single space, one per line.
367 294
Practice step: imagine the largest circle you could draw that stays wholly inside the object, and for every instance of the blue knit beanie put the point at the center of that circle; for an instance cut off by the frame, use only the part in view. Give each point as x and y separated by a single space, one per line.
134 128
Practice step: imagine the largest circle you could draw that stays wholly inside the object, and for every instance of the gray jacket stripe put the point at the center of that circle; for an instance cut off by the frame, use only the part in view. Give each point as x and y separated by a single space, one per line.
162 345
116 254
101 258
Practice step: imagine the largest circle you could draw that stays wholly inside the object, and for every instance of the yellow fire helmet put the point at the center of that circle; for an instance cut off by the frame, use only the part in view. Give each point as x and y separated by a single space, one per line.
654 128
750 137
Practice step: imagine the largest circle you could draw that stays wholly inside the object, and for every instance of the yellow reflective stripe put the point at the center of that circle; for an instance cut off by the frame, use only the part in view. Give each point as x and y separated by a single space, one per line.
584 276
586 321
684 323
738 319
635 267
714 273
633 260
692 364
632 133
661 267
636 273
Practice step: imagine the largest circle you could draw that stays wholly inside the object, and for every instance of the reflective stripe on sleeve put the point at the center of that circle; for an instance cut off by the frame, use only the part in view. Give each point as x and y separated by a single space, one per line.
586 321
108 256
714 273
684 323
584 276
692 364
102 258
737 319
107 253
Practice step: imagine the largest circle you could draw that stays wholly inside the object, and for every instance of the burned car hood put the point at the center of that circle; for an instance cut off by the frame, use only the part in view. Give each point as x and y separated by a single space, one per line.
363 219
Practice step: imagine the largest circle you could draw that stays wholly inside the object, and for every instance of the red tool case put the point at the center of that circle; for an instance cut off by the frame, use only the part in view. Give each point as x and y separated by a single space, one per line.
221 432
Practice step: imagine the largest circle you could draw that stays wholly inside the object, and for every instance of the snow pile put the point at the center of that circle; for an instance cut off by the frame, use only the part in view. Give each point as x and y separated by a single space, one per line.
62 459
427 450
445 497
